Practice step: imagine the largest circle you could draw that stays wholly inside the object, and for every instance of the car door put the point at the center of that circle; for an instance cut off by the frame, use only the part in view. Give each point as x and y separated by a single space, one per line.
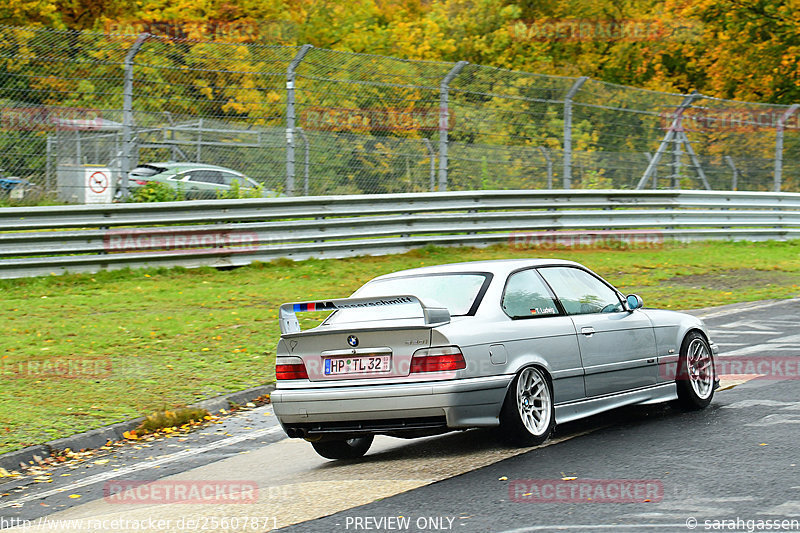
617 346
539 329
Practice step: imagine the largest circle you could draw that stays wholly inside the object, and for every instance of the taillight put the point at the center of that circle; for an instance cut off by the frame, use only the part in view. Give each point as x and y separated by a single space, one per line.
439 359
290 368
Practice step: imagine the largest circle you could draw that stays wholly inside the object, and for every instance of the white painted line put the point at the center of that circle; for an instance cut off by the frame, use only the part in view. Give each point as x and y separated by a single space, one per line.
760 402
789 508
755 307
105 476
718 333
752 324
721 344
772 420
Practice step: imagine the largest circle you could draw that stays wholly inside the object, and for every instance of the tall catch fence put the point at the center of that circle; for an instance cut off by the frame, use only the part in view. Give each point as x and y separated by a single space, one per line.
79 107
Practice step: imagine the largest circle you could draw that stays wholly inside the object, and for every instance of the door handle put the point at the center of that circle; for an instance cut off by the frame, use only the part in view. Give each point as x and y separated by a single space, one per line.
588 331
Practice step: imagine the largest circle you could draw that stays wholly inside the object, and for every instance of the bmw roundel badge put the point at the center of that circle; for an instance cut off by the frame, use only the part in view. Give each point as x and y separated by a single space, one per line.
352 340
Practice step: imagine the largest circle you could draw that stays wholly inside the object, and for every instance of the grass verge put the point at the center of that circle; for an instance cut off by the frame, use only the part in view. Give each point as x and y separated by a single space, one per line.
83 351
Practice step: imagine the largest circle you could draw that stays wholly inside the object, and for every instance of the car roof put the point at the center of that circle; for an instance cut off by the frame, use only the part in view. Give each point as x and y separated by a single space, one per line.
186 166
499 267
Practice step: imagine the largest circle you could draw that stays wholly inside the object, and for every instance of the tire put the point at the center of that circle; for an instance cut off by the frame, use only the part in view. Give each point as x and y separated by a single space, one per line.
343 449
528 414
696 375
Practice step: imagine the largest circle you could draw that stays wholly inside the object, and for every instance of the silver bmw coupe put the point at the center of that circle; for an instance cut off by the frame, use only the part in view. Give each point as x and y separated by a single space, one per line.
517 344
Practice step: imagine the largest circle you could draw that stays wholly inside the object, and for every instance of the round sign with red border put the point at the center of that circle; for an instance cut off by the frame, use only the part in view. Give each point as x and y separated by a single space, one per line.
98 182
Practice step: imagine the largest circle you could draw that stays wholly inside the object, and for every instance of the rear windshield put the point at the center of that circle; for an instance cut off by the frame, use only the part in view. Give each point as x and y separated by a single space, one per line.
460 293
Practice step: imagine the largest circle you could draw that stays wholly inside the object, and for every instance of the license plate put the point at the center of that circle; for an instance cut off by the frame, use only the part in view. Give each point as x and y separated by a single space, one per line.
366 364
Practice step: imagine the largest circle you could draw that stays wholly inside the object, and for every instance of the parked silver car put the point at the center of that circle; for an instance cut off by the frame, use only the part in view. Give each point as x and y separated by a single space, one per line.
519 344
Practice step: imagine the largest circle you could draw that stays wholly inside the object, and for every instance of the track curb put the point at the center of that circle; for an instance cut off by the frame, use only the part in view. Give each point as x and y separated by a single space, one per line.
96 438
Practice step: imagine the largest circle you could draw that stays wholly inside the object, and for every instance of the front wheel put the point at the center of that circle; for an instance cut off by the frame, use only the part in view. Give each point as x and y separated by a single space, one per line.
528 414
696 374
343 449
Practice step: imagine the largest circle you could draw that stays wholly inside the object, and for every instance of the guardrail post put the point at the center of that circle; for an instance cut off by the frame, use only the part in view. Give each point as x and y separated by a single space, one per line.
674 127
290 116
127 112
444 120
779 146
567 179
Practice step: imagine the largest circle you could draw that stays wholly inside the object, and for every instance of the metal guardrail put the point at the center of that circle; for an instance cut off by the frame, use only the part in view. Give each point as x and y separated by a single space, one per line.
221 233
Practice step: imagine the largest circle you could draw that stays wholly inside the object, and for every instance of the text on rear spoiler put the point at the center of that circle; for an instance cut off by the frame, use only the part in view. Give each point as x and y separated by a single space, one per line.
289 323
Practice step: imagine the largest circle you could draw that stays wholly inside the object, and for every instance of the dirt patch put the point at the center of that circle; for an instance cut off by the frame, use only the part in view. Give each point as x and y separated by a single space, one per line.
734 279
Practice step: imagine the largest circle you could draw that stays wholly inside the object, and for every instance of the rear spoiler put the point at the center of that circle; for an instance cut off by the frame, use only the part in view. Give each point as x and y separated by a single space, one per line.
289 323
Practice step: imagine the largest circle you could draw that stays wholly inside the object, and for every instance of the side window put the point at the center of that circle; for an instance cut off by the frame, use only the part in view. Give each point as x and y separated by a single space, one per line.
241 180
581 293
526 296
228 178
206 176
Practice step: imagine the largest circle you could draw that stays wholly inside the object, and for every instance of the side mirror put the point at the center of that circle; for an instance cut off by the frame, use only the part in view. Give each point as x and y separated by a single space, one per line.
634 301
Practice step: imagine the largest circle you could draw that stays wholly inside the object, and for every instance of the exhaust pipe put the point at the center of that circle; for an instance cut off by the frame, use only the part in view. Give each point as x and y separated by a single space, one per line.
296 433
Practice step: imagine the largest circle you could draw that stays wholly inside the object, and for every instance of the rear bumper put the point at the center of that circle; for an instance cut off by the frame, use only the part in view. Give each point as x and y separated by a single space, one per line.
389 408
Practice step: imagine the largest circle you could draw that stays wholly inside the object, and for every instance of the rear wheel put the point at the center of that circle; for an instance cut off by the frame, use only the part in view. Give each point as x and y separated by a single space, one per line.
696 373
343 449
528 414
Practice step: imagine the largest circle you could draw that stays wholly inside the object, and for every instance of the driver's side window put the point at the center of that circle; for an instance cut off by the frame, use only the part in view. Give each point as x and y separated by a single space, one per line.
527 296
581 293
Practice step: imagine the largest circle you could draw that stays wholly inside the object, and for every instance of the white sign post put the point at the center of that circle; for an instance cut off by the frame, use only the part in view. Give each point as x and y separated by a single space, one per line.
98 186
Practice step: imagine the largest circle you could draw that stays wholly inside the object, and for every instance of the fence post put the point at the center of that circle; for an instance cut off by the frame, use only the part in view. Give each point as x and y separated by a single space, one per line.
127 112
48 173
432 156
305 160
290 116
444 120
549 160
735 178
567 179
779 146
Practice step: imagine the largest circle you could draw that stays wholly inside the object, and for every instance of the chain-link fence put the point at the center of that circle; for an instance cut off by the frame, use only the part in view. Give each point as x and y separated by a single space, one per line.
82 114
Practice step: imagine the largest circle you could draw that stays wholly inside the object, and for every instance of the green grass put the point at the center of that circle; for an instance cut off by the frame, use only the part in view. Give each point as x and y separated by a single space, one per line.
156 339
